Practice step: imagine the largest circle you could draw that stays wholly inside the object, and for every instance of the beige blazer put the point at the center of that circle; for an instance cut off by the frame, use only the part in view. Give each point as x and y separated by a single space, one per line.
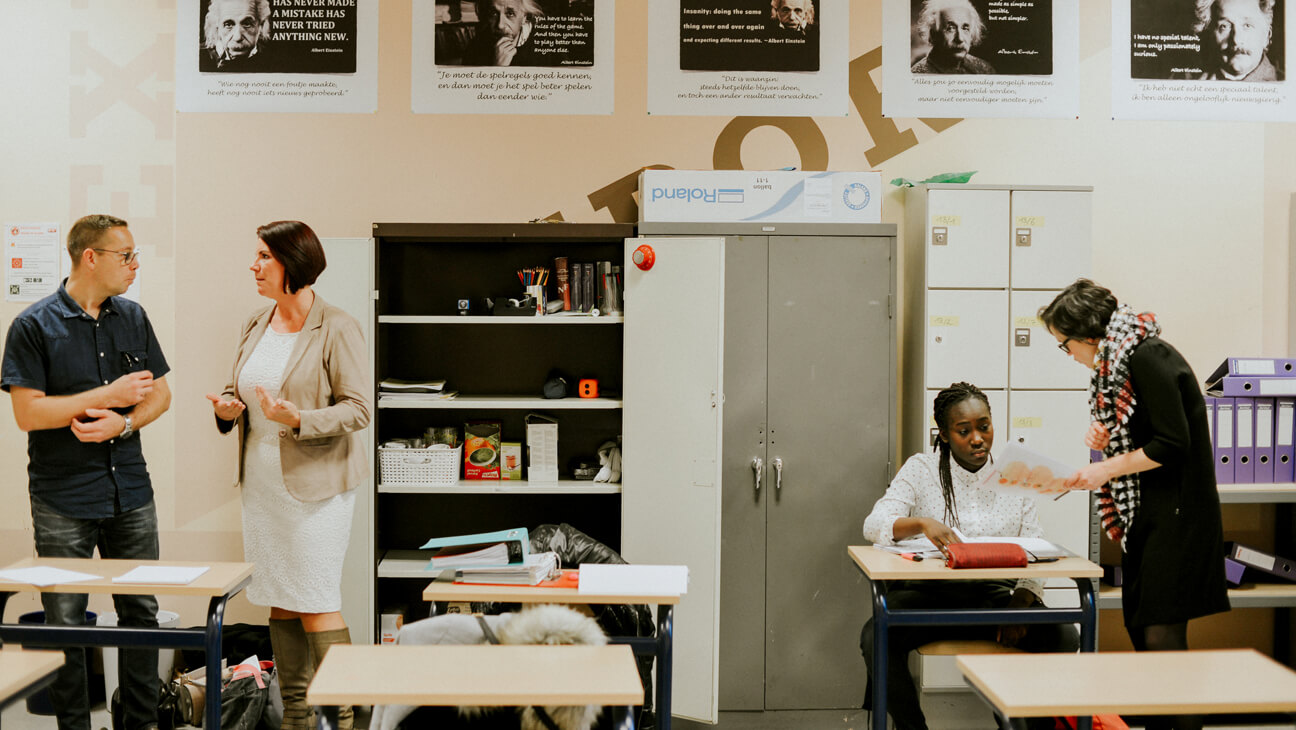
326 379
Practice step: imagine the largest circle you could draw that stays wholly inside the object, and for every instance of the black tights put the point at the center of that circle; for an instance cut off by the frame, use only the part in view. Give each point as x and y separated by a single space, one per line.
1165 637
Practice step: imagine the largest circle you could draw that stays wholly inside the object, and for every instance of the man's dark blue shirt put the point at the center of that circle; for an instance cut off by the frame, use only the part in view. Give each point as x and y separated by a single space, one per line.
55 347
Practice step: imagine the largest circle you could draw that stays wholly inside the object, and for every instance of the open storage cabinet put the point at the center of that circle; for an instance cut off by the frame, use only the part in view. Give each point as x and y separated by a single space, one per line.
498 365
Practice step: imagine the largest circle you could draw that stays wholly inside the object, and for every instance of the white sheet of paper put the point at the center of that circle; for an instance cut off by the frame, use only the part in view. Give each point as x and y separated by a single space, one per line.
45 576
1027 473
636 580
161 574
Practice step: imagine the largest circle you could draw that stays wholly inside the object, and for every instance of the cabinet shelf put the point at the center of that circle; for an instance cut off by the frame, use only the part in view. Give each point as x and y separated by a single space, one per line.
1248 595
1257 493
568 319
478 486
482 402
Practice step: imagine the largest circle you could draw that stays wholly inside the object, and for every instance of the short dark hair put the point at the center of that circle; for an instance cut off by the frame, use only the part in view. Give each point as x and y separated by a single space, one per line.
1082 310
296 246
87 231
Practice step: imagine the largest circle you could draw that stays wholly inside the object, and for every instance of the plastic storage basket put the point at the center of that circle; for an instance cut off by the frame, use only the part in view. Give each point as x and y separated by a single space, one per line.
419 466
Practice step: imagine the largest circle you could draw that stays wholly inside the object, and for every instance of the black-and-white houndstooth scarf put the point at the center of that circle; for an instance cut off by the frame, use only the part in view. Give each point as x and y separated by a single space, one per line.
1111 402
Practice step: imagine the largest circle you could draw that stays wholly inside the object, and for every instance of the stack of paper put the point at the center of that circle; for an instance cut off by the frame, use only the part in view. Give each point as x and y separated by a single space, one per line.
537 567
414 390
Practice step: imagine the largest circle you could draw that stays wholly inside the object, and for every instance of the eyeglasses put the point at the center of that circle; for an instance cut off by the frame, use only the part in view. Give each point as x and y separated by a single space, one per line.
128 257
1063 345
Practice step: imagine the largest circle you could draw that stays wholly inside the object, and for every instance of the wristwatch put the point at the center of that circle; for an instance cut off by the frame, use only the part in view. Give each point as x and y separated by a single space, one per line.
130 428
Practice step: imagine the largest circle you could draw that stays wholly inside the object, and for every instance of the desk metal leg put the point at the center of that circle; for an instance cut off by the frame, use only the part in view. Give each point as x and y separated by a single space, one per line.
326 718
881 634
212 646
1088 634
665 660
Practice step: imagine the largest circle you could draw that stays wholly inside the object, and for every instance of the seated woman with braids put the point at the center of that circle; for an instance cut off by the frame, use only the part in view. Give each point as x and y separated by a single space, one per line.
931 495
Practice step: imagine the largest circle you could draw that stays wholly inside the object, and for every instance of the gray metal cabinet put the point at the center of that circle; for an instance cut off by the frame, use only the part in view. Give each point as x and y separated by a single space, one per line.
808 437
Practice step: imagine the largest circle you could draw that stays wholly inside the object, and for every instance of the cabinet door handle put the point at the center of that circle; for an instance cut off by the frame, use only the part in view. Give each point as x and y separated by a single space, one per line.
778 473
758 466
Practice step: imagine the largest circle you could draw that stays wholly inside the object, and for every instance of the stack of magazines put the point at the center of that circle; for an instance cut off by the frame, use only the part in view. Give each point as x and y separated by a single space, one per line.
535 568
414 390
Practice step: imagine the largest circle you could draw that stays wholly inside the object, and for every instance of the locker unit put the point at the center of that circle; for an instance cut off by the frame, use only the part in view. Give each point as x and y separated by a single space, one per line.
980 262
807 437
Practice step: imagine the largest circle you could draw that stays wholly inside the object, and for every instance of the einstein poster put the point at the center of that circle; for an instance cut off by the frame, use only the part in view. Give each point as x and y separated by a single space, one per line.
1200 59
277 55
512 57
980 58
749 57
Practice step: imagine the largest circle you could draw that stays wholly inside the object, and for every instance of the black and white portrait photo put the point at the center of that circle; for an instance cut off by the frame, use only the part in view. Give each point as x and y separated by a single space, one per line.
981 37
541 33
749 35
1207 40
277 36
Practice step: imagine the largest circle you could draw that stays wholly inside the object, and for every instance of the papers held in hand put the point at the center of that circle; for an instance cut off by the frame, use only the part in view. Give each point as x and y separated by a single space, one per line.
533 570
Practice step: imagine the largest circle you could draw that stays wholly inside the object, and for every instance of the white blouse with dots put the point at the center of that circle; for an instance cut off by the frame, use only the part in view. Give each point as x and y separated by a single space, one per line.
982 511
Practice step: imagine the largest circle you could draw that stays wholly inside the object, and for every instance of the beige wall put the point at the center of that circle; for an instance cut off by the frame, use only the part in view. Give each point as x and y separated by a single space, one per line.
1191 219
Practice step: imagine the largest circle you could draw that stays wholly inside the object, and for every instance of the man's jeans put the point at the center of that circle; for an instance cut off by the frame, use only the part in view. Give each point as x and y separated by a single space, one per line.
129 535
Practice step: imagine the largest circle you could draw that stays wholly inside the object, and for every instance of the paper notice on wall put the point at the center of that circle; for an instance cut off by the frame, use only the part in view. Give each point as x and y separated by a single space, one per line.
739 57
553 57
32 258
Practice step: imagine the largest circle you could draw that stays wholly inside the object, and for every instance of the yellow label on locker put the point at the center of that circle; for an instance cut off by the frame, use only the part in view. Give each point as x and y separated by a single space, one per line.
1030 221
945 320
1028 422
947 220
1028 322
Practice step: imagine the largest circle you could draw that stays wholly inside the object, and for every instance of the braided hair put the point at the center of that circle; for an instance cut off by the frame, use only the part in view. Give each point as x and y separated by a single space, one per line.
945 402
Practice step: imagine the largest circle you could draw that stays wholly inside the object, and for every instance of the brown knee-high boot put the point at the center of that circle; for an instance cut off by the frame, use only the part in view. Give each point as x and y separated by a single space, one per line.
293 665
320 641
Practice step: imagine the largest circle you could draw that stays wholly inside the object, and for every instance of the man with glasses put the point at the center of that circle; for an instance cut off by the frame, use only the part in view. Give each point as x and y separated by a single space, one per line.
85 373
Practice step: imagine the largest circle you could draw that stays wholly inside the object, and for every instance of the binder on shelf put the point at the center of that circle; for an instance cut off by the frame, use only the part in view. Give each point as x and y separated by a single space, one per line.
1253 367
1264 440
1259 560
1266 386
1284 447
590 289
1243 440
1233 571
1210 418
481 548
1223 446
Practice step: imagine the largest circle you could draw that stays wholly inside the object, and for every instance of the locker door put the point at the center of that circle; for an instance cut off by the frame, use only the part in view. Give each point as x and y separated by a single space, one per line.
967 237
966 338
1053 423
670 491
1034 360
830 425
744 500
1052 233
998 414
348 283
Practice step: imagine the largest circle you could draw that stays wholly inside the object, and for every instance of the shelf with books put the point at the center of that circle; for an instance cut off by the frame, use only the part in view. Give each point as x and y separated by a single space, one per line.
480 486
552 319
461 402
1257 493
1248 595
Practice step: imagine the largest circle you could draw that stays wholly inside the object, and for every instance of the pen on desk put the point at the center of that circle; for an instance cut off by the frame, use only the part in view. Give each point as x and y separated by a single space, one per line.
912 556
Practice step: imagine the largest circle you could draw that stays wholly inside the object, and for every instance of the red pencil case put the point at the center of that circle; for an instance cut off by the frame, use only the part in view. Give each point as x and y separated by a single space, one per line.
985 555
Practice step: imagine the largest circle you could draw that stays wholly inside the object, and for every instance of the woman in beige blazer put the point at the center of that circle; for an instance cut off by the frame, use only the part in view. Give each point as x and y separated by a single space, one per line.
301 364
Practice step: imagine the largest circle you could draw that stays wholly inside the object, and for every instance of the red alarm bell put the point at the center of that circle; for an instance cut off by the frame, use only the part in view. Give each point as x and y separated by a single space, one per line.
644 257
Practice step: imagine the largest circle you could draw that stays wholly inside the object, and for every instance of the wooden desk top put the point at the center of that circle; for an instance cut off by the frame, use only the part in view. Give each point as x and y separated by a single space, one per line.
219 580
444 591
883 565
479 674
19 668
1154 683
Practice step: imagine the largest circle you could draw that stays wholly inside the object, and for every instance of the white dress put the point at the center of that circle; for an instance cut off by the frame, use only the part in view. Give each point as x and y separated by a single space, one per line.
297 547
